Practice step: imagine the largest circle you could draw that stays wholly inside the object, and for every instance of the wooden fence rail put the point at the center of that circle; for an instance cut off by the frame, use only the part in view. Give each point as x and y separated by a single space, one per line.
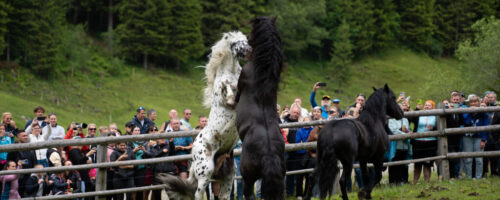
442 157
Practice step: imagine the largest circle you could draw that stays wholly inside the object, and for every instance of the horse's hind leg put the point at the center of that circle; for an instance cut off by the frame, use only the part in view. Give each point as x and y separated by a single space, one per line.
362 194
248 190
346 173
378 176
204 169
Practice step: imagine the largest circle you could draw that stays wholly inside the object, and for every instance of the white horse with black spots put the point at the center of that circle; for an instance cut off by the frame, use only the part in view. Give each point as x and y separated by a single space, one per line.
212 148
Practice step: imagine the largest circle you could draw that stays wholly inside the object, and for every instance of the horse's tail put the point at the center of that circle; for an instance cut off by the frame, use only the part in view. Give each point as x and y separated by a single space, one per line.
326 165
273 173
176 187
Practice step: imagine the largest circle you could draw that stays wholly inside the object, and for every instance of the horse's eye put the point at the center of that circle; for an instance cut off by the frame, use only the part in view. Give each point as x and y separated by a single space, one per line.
225 38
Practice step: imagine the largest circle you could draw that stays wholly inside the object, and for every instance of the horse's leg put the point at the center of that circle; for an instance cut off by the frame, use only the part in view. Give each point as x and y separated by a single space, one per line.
228 93
226 185
346 173
248 189
378 176
365 176
204 169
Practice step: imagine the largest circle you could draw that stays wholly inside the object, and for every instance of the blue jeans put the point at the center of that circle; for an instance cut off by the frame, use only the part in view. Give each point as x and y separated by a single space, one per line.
43 162
472 144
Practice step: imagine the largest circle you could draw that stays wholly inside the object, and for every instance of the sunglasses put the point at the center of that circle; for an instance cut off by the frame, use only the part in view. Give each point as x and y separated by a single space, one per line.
92 129
331 112
155 129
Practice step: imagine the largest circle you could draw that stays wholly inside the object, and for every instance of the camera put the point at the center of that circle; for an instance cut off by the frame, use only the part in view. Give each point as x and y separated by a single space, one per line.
42 118
78 125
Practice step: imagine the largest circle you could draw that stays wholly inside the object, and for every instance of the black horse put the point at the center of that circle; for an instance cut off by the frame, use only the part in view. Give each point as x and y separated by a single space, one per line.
263 146
364 139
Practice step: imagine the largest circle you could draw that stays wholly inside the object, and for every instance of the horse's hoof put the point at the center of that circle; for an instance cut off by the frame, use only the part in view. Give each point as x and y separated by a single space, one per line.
362 194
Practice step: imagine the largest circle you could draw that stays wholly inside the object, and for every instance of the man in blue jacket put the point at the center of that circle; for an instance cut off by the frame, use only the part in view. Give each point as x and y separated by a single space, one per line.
141 121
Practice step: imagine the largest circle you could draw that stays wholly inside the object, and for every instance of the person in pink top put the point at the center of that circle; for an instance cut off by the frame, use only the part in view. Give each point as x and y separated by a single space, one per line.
10 182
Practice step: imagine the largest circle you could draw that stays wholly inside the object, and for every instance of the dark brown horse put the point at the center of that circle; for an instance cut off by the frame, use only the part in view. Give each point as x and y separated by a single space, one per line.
263 146
364 139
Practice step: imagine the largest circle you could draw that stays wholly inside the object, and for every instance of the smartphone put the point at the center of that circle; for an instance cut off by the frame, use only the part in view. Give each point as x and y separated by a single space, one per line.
322 84
402 94
40 118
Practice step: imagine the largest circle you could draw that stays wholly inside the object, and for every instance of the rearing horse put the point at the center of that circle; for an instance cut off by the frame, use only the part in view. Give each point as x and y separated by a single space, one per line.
218 138
364 139
263 146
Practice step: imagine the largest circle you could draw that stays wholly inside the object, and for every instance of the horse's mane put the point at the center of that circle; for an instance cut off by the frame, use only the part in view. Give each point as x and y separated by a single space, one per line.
220 51
372 107
266 55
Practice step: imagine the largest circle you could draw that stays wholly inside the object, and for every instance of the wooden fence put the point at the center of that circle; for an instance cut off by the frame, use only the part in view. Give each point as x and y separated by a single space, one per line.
102 142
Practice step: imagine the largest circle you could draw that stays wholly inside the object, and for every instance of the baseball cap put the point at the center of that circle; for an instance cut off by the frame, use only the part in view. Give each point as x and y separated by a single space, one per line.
326 97
141 108
336 101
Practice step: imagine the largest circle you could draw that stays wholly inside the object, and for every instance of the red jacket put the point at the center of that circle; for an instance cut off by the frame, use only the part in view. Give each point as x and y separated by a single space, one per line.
84 149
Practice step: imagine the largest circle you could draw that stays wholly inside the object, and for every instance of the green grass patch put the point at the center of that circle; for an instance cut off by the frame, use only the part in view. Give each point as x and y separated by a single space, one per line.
486 188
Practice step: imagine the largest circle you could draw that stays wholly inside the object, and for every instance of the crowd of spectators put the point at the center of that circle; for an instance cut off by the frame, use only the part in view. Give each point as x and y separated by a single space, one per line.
45 128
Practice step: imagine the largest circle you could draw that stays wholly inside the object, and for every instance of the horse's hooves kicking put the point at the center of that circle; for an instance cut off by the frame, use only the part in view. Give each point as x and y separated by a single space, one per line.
364 195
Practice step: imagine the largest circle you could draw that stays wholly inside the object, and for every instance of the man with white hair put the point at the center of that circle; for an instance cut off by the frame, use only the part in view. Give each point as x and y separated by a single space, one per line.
166 126
303 112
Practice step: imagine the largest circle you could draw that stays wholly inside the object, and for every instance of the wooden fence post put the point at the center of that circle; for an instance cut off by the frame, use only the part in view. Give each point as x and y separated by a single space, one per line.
443 165
100 183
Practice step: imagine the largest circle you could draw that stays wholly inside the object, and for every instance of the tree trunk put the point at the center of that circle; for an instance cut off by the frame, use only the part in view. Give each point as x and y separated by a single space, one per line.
177 65
8 51
145 61
110 22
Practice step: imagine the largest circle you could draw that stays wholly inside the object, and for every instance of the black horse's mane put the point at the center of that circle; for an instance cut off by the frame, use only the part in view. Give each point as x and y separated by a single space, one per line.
373 104
266 55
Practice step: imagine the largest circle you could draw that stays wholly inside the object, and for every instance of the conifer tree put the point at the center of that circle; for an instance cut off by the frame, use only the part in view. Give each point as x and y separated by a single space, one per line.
221 16
144 31
386 23
341 55
417 27
4 20
33 34
186 37
298 22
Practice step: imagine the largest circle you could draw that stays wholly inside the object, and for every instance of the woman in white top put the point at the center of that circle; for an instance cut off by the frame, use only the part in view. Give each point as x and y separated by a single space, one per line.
35 136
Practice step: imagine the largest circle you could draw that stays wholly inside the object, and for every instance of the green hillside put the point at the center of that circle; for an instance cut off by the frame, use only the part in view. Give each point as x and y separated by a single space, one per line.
114 99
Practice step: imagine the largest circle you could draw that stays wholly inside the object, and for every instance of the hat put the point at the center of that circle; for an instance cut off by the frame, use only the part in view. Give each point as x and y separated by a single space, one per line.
76 138
336 101
325 97
141 108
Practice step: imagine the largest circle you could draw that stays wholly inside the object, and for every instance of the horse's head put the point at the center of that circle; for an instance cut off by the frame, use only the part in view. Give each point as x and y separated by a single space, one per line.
238 44
392 107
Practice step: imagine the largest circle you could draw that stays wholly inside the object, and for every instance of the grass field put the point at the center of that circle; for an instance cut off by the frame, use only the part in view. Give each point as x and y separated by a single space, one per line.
92 98
486 188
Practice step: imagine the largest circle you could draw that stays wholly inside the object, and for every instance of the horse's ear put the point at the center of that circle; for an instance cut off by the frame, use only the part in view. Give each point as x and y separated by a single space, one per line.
274 19
374 89
386 88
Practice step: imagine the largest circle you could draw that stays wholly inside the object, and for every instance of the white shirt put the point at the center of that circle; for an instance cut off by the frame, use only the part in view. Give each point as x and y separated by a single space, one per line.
57 131
40 153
